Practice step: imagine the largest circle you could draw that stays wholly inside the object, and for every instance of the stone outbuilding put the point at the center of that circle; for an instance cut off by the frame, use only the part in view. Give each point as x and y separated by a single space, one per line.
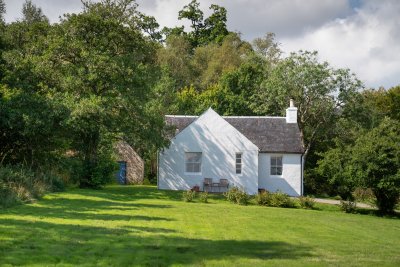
131 165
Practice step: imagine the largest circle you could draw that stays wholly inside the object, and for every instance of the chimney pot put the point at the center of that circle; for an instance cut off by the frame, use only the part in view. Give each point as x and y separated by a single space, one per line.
291 113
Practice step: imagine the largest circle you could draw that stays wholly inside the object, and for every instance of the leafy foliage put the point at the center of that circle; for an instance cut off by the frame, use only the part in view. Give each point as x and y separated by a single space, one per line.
188 195
348 206
306 202
19 184
373 162
203 196
237 195
317 89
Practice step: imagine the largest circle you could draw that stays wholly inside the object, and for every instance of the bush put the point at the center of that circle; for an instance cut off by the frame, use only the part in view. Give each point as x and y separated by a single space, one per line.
237 196
306 202
242 198
231 194
97 174
263 198
280 199
363 194
204 197
188 195
348 206
8 197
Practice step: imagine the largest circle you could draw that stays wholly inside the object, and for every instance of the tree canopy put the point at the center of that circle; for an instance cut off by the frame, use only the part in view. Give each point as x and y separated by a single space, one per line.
70 90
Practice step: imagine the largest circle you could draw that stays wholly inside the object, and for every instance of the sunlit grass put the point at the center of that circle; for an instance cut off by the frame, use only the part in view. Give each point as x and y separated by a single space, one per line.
129 226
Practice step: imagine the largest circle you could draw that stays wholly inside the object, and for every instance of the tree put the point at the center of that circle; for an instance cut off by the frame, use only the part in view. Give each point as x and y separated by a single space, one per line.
371 159
176 58
31 13
204 31
375 163
32 131
268 48
318 90
213 60
103 67
2 9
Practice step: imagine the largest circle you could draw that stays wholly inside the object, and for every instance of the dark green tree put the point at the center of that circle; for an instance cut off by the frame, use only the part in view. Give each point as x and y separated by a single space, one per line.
31 13
368 159
204 31
2 9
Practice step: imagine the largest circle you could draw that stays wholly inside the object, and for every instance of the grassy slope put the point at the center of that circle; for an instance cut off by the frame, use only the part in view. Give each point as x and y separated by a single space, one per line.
122 226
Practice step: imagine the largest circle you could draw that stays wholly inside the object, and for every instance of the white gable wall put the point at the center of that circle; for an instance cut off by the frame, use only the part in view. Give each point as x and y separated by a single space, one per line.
290 180
219 142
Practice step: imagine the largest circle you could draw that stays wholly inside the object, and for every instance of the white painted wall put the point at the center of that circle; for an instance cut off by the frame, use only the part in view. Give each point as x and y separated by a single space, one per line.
290 180
218 141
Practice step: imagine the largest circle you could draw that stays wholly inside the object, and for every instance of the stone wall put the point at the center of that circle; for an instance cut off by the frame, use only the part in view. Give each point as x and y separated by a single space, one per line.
134 163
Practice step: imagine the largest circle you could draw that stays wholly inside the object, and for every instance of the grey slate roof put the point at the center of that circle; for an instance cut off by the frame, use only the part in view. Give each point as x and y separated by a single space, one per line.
269 134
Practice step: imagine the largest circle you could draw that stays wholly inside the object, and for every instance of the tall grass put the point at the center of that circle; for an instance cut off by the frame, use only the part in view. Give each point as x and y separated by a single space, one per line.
19 184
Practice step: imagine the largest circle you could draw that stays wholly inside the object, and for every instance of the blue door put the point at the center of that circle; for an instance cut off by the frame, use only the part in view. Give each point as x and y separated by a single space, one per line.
121 176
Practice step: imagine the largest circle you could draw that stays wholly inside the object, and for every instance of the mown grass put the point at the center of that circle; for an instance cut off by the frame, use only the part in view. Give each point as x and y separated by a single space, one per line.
140 226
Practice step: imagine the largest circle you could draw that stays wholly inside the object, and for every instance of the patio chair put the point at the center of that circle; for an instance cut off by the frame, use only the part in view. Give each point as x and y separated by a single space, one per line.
224 184
207 184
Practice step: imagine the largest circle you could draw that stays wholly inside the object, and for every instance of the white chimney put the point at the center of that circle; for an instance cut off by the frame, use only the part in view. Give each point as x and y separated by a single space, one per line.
291 113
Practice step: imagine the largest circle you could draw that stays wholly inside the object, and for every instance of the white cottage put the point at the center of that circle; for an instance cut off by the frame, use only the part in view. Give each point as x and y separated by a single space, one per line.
250 152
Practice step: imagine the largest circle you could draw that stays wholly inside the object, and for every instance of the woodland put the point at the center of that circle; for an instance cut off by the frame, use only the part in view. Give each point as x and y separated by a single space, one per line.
70 90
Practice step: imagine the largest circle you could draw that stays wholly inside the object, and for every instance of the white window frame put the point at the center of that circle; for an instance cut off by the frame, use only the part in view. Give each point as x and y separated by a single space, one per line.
193 163
238 165
274 165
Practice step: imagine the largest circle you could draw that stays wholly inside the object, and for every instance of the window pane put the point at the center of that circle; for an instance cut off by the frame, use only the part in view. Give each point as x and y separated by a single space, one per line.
193 162
193 156
196 167
238 163
276 165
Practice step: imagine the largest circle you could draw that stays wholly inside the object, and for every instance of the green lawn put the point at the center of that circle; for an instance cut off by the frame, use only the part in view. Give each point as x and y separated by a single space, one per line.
123 226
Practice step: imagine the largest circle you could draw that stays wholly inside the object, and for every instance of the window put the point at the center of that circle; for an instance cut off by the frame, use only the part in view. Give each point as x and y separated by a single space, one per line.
276 165
238 163
193 162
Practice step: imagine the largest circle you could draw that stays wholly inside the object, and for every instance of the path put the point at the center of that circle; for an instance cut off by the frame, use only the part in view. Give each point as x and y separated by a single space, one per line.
337 202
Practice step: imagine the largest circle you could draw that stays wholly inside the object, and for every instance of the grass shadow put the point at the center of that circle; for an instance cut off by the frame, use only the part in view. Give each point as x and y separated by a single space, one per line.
89 245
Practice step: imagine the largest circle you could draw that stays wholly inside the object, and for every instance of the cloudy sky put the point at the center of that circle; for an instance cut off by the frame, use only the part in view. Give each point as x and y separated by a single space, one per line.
363 35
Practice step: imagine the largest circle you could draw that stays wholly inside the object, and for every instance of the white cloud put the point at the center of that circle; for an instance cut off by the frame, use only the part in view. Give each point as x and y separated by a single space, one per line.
254 18
367 42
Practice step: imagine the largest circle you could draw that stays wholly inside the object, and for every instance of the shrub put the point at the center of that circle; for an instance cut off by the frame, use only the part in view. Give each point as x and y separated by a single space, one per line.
204 197
263 198
348 206
97 174
188 195
242 198
231 194
8 197
280 199
306 202
363 194
237 196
